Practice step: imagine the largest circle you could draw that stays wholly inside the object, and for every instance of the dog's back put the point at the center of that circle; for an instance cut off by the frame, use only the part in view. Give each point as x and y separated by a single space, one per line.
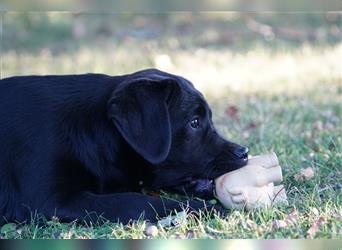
35 113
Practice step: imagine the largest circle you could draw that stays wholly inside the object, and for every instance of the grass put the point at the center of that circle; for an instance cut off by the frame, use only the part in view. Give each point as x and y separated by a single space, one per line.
286 96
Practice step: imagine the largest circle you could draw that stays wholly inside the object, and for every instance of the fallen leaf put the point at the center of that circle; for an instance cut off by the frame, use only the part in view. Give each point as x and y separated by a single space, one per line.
278 224
151 230
232 112
298 177
339 216
251 224
249 128
305 174
327 113
314 228
261 229
328 126
245 134
251 125
318 125
315 211
308 173
292 218
307 135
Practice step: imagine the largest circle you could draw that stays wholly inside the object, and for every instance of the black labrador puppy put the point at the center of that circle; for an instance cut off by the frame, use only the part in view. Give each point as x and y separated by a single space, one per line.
75 144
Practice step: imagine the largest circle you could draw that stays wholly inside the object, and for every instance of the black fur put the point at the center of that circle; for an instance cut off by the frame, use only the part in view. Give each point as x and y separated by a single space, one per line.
75 144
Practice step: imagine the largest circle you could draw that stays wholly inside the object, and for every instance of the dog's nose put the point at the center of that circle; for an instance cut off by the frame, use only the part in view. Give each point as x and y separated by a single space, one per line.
241 152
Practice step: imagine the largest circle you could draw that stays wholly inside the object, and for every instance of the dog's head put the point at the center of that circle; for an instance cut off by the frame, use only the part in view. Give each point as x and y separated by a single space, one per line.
168 122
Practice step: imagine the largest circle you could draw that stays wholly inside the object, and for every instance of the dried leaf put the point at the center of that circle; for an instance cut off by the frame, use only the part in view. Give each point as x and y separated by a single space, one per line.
292 218
305 174
251 125
245 134
338 216
232 112
261 229
308 173
251 224
314 228
329 126
278 224
298 177
327 113
318 125
315 211
151 230
307 135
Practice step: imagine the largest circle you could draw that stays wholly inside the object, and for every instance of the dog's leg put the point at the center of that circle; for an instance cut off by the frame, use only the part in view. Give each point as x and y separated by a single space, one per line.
123 207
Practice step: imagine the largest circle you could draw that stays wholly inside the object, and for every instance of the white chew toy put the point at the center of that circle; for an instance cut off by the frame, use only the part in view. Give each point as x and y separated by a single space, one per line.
252 185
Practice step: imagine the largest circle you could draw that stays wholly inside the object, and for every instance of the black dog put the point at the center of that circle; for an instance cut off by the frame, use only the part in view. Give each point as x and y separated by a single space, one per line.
75 144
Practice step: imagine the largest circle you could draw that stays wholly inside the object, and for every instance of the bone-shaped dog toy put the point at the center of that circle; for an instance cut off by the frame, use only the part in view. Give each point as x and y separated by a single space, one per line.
252 185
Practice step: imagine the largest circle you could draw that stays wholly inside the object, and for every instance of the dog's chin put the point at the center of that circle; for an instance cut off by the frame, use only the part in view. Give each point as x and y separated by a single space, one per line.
202 188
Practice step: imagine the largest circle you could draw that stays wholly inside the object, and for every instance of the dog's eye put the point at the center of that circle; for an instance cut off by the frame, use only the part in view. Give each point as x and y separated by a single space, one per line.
195 123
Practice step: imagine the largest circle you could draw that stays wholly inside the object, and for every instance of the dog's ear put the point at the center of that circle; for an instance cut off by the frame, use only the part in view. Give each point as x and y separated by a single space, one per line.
139 111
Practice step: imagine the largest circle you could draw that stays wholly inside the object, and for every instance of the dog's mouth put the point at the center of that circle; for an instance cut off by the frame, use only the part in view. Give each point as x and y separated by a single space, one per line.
203 186
221 166
199 187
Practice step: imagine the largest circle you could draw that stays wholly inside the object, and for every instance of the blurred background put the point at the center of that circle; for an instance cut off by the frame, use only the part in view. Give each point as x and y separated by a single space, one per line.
232 51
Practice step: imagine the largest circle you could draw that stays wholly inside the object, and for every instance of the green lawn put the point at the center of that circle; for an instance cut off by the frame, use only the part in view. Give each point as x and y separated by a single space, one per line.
287 95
